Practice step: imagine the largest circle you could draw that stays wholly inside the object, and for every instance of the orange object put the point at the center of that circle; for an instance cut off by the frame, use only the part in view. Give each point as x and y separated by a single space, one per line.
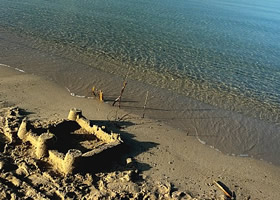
223 189
101 95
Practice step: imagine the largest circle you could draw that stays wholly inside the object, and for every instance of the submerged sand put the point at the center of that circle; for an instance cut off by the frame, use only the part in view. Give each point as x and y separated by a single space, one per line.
165 159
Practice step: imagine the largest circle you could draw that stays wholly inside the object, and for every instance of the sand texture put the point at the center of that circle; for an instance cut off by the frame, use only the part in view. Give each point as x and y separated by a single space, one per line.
154 160
26 175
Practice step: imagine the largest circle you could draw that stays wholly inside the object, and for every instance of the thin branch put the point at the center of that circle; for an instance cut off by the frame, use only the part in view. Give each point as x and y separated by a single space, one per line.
120 97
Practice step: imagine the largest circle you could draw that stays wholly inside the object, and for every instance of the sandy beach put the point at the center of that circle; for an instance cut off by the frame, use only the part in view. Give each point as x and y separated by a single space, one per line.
199 112
160 152
231 132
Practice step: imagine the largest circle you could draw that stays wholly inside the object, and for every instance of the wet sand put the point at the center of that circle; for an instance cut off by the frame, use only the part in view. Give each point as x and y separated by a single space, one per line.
229 132
162 153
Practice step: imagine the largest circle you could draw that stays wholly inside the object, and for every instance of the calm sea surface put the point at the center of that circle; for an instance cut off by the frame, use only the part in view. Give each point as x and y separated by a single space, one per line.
222 52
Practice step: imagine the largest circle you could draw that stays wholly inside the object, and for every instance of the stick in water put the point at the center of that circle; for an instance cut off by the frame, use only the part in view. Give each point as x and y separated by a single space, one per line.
145 104
101 96
120 97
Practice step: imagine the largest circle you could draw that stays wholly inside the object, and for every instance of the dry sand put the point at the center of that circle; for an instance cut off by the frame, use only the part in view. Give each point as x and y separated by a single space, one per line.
164 159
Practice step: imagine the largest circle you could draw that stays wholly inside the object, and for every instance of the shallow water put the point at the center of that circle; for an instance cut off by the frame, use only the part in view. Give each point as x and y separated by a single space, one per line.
223 53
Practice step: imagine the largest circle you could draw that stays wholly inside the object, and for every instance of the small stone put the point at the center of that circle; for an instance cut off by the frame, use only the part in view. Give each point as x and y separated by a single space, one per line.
128 161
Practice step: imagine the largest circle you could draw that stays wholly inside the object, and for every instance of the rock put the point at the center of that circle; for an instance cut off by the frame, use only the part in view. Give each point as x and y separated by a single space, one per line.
128 161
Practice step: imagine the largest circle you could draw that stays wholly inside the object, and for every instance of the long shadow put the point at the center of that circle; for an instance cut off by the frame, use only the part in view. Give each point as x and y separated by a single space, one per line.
185 118
147 108
25 112
124 100
115 158
161 109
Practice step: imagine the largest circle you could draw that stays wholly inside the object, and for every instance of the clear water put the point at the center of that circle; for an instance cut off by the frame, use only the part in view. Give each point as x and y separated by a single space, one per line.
222 52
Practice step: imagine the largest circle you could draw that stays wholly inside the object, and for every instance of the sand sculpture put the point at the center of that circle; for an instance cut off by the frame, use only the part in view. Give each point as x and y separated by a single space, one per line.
91 140
40 160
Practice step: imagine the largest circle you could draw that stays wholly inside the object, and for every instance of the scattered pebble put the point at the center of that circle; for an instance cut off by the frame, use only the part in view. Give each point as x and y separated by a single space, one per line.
128 160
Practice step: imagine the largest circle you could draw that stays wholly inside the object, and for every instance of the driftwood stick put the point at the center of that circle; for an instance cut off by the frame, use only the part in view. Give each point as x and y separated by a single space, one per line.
101 96
222 187
119 98
145 104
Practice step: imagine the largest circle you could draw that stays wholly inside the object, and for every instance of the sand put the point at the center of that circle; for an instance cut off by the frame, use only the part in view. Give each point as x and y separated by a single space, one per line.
165 160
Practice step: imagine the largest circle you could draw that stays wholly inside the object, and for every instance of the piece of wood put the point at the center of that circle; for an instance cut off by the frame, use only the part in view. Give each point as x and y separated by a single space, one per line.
220 186
119 98
101 96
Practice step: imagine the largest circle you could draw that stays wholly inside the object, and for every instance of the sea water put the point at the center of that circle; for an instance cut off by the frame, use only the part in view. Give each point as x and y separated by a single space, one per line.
223 53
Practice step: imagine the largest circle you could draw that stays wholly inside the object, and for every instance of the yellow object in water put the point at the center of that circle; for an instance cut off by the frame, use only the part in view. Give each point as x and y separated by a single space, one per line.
101 95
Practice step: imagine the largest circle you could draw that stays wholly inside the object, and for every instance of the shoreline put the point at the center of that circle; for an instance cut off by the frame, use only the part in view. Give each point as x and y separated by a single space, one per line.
229 132
163 153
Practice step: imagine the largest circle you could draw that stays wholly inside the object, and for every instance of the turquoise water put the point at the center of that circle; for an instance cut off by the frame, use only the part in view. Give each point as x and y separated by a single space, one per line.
225 53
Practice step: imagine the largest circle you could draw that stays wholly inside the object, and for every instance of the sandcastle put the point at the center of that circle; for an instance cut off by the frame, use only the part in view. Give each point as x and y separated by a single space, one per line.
68 143
33 151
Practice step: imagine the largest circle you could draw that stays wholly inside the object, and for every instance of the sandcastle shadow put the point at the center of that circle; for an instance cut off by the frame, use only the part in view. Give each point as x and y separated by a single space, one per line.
70 136
115 158
24 112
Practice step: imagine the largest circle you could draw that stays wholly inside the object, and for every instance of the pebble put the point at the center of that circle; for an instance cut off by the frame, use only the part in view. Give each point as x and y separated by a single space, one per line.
128 160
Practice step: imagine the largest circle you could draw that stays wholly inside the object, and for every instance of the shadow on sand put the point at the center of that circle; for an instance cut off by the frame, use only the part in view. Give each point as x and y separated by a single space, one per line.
118 155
